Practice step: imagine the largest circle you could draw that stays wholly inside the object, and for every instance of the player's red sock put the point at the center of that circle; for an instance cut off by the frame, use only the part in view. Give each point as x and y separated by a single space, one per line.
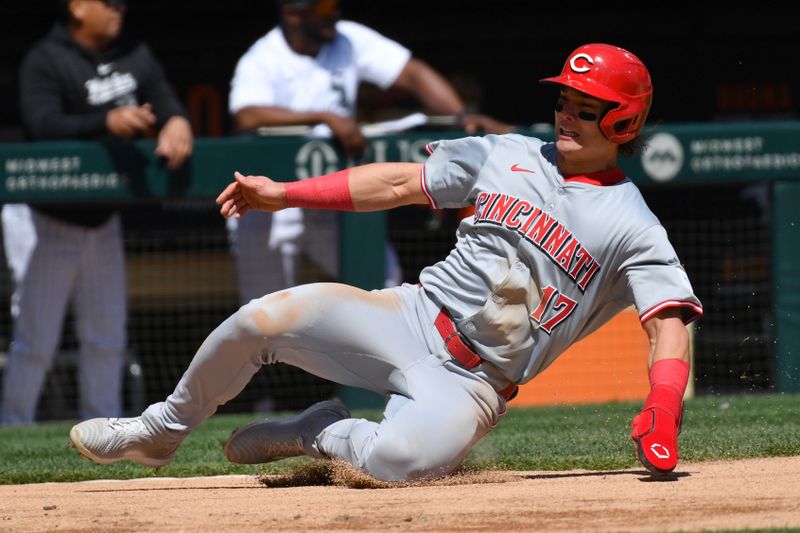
655 428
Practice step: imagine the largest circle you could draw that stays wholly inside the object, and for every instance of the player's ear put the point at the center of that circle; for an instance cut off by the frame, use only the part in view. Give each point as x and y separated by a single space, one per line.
76 10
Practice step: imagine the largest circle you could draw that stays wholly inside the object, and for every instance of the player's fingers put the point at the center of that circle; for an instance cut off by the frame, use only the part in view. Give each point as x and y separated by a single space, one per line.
237 210
230 208
244 181
224 195
228 192
239 200
227 210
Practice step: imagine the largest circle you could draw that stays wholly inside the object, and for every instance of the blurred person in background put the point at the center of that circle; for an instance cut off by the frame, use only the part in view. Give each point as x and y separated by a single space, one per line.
307 71
84 80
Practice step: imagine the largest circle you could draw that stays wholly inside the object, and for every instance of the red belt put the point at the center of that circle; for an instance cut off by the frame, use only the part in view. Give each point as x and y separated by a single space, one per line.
461 351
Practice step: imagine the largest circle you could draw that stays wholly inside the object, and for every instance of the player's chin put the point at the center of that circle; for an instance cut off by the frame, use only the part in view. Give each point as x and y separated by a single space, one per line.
566 144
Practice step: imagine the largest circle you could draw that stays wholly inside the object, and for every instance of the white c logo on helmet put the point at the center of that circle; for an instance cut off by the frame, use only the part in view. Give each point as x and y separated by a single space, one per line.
575 58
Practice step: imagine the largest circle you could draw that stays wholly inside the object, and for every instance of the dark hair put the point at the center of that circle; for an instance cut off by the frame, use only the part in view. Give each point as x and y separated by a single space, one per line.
634 147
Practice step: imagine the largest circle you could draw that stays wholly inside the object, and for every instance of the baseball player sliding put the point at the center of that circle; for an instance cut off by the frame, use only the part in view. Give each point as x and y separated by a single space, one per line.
559 243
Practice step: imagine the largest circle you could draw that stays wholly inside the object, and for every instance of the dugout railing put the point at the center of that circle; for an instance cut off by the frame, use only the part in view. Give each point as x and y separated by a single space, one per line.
728 193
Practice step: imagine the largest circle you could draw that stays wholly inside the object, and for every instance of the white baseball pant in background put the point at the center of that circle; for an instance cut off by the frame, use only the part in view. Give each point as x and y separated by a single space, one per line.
51 264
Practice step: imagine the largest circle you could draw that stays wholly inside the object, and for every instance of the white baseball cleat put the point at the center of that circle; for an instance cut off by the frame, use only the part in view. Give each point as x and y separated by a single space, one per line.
107 440
270 440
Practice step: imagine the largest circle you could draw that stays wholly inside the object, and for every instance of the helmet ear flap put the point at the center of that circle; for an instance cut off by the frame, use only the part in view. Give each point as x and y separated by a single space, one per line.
624 123
620 131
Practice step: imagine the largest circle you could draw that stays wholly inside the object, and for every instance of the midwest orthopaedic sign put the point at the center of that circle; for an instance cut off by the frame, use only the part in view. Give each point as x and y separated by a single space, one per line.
758 152
65 171
55 174
739 154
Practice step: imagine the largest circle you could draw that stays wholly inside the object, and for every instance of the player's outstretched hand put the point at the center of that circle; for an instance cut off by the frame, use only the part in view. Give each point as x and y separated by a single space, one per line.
251 193
655 432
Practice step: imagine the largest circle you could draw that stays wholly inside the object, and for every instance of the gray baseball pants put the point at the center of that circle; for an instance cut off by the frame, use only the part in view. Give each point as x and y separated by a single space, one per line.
383 341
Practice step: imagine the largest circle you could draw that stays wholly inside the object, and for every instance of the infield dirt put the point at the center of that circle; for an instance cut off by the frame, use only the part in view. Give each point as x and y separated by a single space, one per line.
739 495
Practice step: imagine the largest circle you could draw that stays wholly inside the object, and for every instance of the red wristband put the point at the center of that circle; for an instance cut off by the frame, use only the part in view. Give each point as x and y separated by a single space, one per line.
330 191
668 380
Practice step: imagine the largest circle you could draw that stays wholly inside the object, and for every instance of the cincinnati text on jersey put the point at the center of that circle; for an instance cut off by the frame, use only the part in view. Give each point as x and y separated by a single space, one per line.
540 229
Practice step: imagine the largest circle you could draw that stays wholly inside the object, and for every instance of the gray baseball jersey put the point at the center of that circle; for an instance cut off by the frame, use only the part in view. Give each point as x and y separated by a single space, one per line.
545 260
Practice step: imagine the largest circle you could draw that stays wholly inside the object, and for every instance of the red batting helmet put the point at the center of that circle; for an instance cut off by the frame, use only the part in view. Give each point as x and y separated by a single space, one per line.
613 74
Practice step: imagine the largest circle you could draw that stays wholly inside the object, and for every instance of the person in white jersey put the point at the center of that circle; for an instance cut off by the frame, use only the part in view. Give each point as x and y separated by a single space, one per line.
307 71
559 243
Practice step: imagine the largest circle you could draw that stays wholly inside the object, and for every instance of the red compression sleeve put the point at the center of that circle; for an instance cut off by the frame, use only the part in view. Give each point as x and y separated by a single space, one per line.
668 379
330 191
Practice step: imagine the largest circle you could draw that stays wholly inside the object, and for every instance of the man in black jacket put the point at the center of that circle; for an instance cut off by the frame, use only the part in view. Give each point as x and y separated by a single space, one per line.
82 81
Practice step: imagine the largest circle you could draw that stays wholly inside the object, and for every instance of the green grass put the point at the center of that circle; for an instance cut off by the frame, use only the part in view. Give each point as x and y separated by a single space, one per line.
598 437
594 437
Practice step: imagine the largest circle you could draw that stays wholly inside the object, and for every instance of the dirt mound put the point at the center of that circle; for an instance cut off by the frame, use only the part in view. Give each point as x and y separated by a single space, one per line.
759 493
